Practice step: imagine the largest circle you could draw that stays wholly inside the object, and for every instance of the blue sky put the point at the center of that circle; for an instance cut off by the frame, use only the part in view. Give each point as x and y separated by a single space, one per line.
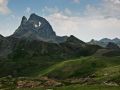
85 19
18 6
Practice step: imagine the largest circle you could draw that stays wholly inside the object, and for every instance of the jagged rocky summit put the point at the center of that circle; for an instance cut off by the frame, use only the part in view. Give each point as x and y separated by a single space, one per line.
37 28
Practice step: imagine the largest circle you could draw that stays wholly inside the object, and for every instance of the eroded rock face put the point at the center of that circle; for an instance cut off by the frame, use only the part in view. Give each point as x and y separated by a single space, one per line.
35 28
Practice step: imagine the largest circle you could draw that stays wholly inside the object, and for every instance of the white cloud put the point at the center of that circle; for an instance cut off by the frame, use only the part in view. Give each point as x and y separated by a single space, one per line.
3 7
28 10
113 1
68 11
99 21
85 28
50 10
76 1
107 9
9 24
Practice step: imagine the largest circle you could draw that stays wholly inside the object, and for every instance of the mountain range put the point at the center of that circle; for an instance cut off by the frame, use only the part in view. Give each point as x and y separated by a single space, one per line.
35 38
36 35
103 42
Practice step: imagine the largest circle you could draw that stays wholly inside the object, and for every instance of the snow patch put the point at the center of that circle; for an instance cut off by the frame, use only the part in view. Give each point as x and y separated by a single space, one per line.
39 24
36 25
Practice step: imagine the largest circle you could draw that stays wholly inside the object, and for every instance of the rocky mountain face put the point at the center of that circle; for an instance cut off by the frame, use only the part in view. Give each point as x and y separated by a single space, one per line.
112 45
37 28
105 41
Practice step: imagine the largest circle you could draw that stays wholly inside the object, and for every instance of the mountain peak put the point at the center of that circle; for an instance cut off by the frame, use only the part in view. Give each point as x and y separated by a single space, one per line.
73 39
105 40
116 39
24 20
34 16
36 28
93 40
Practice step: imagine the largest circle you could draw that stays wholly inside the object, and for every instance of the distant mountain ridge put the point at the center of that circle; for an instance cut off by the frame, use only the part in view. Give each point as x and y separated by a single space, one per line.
105 41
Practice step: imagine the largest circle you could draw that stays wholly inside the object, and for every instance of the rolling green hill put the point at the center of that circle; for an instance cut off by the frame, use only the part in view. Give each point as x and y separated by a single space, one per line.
102 69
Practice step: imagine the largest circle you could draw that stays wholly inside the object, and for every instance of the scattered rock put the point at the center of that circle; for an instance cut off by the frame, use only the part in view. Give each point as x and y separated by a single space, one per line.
110 83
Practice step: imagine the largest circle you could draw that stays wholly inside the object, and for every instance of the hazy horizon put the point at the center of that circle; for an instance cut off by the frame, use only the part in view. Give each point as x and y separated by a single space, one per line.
85 19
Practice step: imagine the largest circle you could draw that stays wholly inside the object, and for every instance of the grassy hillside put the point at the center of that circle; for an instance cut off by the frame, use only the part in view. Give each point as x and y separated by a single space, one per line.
87 70
92 70
25 66
84 67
